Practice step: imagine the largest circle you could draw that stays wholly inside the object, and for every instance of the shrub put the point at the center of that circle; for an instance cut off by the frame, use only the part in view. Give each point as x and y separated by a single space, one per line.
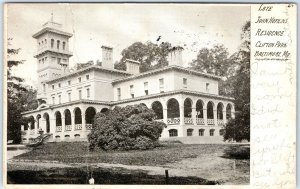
237 152
128 128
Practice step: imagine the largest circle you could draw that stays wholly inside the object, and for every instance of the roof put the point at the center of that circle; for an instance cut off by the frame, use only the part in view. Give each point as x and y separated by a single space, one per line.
48 29
164 69
93 67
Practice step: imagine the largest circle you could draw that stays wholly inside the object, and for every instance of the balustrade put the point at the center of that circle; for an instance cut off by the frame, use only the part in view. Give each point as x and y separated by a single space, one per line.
173 121
210 121
58 128
68 127
188 120
220 122
88 126
78 126
160 120
200 121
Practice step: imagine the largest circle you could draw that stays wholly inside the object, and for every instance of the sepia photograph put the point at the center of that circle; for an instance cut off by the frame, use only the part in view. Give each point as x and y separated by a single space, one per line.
127 94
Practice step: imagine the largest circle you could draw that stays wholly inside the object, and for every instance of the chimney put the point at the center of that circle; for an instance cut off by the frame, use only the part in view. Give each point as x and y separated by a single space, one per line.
107 57
175 56
132 66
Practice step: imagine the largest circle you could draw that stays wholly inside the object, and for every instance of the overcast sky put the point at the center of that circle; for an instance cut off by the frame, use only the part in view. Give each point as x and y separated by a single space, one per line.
191 26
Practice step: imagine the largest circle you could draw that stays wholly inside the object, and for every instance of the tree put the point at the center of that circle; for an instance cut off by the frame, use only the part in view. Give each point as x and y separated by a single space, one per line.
131 127
239 128
150 55
214 61
15 90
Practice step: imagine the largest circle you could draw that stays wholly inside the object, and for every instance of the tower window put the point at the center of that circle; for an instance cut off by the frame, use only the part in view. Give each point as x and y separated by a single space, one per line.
184 80
64 45
69 96
87 77
45 41
161 85
58 60
58 43
52 43
44 87
79 79
79 95
88 93
59 99
119 93
131 91
207 87
53 100
59 85
69 82
53 87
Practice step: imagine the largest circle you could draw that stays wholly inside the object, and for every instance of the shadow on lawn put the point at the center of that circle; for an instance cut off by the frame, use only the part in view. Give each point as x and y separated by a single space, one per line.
237 152
101 176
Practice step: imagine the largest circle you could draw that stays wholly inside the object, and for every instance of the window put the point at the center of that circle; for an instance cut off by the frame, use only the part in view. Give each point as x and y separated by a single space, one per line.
58 43
69 82
190 132
45 59
79 79
88 93
211 132
44 87
146 88
59 99
173 133
64 45
119 93
221 132
184 80
161 85
59 85
207 87
201 132
52 43
69 96
45 41
87 77
53 87
79 94
53 100
131 91
58 60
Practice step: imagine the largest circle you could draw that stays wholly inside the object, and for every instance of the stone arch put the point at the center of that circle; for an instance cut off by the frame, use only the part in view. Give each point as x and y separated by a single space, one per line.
103 110
228 111
199 108
210 110
158 109
173 110
188 107
90 113
68 118
58 118
31 120
78 115
38 117
220 108
47 119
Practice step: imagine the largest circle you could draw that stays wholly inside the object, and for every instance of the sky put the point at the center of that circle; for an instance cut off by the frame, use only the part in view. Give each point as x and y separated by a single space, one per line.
192 26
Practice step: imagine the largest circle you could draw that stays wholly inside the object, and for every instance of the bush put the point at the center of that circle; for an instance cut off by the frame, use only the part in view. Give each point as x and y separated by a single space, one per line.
128 128
237 152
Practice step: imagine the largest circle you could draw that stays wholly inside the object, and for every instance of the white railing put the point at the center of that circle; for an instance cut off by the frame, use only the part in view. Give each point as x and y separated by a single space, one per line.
78 126
173 121
31 132
210 121
68 127
220 122
160 120
200 121
188 120
58 128
88 126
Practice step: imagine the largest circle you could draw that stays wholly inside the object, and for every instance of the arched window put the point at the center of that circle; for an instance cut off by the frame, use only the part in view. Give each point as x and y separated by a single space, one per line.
220 111
31 121
187 107
210 110
228 111
52 43
211 132
58 118
103 110
158 109
58 43
68 119
89 115
189 132
173 108
77 136
201 132
38 117
173 133
64 45
46 117
199 108
78 118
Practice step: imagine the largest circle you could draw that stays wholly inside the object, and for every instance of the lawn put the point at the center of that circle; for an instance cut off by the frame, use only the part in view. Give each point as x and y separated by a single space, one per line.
77 152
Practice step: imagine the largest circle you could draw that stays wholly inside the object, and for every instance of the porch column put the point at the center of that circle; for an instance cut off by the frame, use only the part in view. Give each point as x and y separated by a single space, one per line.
181 110
36 131
73 123
52 125
194 114
43 124
83 121
224 117
63 124
165 115
205 116
215 117
29 128
233 112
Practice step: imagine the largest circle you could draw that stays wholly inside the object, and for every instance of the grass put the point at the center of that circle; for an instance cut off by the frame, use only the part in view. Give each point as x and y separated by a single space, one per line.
77 152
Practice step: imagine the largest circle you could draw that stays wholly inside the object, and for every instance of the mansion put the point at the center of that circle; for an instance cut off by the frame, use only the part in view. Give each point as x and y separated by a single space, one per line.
188 101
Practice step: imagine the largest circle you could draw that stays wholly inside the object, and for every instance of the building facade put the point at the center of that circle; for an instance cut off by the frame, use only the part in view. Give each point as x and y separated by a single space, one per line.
186 100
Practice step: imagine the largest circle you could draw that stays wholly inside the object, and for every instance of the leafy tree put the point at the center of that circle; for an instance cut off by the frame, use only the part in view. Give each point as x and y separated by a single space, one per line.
15 90
239 128
150 55
131 127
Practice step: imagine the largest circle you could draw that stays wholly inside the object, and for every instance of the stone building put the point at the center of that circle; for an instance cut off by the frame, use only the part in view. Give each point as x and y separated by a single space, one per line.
185 99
